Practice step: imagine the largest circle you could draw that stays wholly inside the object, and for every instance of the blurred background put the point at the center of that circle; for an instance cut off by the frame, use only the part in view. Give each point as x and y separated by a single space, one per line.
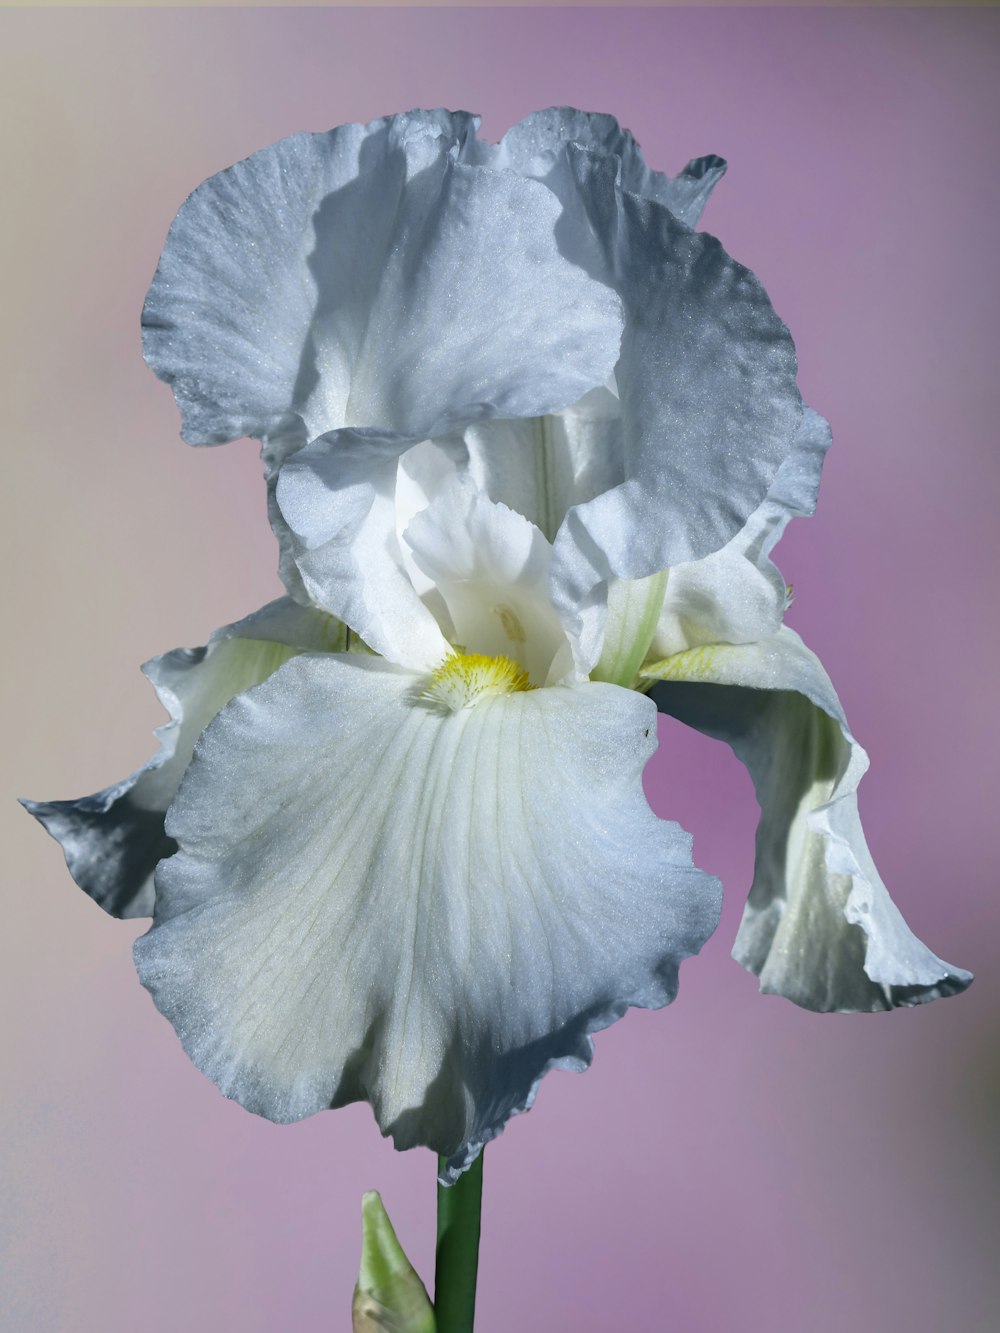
731 1162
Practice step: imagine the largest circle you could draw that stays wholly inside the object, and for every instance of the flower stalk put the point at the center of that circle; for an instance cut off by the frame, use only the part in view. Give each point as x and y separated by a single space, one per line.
456 1266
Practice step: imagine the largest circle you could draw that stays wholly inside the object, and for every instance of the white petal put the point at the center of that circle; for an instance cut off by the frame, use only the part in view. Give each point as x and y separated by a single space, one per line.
540 467
338 497
536 147
491 568
687 193
723 598
793 492
364 277
479 314
462 571
544 466
532 142
424 470
260 299
707 387
377 900
113 839
737 595
819 926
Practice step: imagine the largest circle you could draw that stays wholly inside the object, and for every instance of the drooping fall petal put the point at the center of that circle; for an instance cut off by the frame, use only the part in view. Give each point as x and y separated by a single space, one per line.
819 926
113 840
378 898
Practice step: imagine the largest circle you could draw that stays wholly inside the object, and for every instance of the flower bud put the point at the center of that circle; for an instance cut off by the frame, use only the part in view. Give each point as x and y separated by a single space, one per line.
389 1296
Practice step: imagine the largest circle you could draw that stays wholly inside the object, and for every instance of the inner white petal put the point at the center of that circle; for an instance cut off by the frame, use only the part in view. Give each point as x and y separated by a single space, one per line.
490 567
543 466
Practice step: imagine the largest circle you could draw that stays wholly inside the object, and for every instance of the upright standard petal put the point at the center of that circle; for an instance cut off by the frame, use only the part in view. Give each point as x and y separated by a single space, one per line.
706 380
228 320
819 926
366 277
536 146
378 898
113 840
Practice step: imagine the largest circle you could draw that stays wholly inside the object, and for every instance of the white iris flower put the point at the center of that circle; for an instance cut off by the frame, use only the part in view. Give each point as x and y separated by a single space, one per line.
529 440
422 880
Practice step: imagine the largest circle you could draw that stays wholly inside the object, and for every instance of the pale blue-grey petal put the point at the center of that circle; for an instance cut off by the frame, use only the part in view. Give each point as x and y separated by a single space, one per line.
260 298
819 926
687 193
706 379
478 314
736 594
366 277
378 900
113 840
793 492
536 147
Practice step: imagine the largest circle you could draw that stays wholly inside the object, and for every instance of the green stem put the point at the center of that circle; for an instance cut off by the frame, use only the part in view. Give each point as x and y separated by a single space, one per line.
459 1208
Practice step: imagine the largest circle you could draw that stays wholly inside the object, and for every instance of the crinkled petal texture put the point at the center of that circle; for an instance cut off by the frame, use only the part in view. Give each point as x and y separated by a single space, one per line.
374 899
536 147
660 473
706 381
819 926
736 594
352 503
113 840
404 278
368 277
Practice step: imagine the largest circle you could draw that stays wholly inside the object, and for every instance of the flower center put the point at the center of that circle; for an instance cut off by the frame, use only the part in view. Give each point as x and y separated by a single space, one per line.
464 679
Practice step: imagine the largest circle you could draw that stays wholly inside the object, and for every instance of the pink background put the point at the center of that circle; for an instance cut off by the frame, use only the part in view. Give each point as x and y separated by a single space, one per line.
731 1162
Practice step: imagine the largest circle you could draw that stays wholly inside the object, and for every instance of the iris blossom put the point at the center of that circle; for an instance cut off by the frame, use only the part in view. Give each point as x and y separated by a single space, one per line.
422 887
528 441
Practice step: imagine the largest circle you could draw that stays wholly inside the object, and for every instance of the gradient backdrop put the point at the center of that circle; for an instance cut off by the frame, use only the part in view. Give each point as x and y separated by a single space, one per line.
730 1163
